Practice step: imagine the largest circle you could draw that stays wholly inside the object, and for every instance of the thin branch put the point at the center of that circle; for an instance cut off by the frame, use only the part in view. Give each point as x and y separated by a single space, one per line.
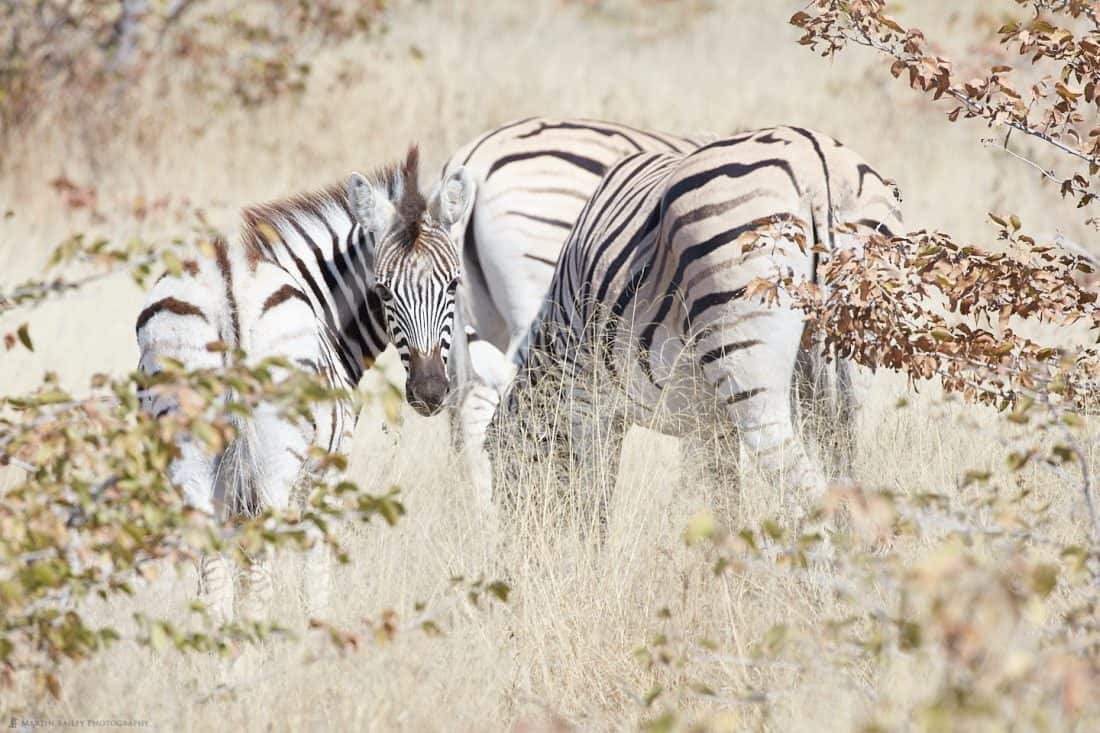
40 291
412 624
1086 473
1047 173
976 107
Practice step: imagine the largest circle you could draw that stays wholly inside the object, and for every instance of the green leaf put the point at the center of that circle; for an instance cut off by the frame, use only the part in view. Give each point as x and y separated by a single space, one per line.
172 263
158 637
709 644
205 432
501 590
1044 579
910 636
1073 420
773 530
1064 453
700 527
52 397
775 638
24 334
1016 460
975 477
664 724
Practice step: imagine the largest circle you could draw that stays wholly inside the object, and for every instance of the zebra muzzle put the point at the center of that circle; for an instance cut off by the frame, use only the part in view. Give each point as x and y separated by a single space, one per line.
427 386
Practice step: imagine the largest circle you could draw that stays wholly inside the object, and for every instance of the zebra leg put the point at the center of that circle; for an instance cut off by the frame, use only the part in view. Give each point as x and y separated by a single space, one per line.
847 411
193 471
513 450
490 372
803 394
713 454
751 373
281 445
277 445
595 449
769 436
216 587
827 403
257 587
474 414
317 579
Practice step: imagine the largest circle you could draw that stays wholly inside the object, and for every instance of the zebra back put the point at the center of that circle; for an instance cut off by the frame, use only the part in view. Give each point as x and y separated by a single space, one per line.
533 177
662 253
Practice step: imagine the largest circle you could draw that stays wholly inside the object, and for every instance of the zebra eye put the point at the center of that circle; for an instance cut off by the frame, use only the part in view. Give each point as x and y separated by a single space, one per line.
384 292
453 286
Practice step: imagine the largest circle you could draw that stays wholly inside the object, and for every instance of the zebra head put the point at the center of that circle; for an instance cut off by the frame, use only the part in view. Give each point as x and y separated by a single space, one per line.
416 268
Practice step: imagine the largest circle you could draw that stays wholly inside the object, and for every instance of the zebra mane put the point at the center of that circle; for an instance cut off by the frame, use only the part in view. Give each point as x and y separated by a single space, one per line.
260 221
403 187
400 181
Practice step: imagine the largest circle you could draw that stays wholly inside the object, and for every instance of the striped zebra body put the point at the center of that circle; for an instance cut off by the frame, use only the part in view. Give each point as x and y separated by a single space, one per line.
251 303
323 280
651 290
246 302
533 178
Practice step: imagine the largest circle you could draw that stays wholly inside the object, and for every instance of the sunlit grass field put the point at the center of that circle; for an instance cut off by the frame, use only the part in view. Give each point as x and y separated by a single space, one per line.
568 650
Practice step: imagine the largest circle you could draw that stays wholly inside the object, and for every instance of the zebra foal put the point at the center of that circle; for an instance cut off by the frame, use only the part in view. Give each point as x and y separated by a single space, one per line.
325 280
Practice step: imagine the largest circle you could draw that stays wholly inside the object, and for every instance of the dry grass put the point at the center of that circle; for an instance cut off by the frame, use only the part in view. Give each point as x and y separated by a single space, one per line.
560 653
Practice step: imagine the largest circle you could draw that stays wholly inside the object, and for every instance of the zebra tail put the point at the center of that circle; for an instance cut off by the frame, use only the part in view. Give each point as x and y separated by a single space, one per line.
239 474
823 392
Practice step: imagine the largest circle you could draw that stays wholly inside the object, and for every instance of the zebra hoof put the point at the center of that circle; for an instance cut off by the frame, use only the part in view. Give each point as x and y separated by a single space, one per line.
216 588
257 590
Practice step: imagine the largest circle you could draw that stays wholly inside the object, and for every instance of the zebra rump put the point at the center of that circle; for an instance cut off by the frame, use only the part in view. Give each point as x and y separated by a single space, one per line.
249 304
657 267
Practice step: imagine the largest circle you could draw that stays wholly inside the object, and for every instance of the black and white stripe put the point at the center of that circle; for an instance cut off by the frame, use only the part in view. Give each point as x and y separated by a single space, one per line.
533 176
326 280
650 289
417 270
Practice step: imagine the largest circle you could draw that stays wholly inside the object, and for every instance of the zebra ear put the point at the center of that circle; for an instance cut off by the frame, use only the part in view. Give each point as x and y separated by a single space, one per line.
453 199
371 205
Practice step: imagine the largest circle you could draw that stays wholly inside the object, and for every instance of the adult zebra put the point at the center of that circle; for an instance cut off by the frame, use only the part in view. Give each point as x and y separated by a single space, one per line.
651 288
533 178
321 279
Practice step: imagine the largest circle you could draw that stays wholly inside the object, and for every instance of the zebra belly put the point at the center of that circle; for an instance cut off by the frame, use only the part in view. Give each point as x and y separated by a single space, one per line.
663 387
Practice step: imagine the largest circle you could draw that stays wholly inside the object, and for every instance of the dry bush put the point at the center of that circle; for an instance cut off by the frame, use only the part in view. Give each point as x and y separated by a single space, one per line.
66 59
95 512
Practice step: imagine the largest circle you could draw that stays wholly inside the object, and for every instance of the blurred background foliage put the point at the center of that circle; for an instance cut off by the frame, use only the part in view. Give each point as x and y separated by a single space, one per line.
962 591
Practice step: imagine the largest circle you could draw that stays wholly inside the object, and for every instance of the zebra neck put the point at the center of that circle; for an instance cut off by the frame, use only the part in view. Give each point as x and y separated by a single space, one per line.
326 252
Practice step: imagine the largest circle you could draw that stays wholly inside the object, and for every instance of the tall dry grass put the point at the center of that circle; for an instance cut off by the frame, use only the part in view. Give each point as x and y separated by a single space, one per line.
560 654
